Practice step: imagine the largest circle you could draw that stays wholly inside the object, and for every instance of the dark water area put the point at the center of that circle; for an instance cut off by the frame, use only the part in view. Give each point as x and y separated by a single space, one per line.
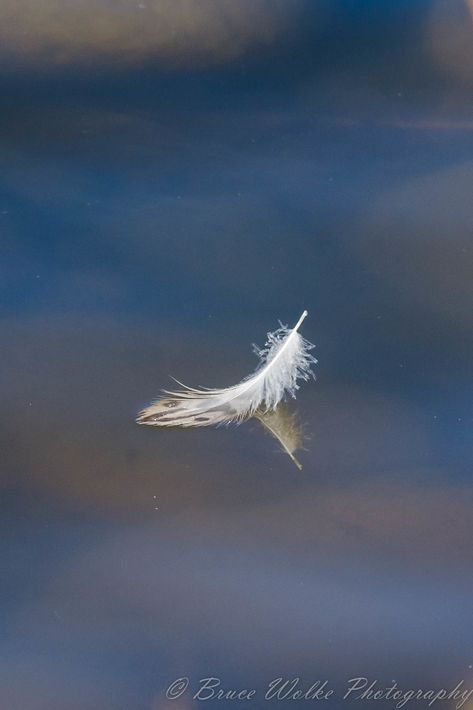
159 215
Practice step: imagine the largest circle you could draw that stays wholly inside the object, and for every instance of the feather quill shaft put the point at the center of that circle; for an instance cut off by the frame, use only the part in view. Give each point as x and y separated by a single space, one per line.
284 360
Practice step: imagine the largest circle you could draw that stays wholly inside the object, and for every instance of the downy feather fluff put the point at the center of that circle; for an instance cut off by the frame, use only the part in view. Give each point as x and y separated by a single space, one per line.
284 360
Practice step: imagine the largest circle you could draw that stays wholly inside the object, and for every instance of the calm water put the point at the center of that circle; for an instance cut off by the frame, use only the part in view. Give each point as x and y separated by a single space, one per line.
157 217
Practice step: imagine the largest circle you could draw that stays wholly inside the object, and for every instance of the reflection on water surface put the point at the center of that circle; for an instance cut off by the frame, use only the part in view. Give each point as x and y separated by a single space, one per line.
155 217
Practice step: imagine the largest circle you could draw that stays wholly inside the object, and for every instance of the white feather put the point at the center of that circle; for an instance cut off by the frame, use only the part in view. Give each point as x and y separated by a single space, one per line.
284 360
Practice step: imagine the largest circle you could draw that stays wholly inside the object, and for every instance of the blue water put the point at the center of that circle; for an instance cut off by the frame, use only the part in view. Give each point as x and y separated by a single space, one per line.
156 220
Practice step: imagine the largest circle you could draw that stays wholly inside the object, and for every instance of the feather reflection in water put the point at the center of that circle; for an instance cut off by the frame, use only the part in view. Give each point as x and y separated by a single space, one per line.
284 425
